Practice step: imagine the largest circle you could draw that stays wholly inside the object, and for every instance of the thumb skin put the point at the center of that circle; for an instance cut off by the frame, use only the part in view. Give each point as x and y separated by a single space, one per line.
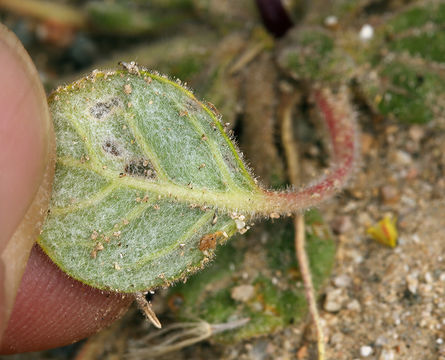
50 308
26 166
54 310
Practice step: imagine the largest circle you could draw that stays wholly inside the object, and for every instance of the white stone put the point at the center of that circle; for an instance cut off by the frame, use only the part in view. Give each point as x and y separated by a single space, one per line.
412 282
354 305
387 355
402 157
365 351
342 281
243 293
333 302
381 340
366 32
331 20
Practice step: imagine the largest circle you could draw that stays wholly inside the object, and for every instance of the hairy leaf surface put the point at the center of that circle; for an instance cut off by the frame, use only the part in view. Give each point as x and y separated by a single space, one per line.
142 170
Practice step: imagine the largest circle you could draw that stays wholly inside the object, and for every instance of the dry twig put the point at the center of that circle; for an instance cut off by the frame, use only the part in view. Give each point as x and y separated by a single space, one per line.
293 168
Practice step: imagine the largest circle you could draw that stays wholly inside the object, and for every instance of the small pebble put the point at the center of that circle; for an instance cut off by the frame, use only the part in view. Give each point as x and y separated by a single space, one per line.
402 157
258 350
387 354
381 340
366 32
364 219
341 224
337 338
354 305
365 351
342 281
416 133
331 21
243 293
390 194
412 283
333 302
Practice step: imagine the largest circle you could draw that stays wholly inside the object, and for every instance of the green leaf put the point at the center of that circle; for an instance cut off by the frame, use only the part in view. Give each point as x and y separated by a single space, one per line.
278 297
400 71
410 93
407 78
312 55
148 183
141 167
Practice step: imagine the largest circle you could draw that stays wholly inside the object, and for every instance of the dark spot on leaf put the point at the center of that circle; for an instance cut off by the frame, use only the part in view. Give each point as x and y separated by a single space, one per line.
140 167
111 147
103 108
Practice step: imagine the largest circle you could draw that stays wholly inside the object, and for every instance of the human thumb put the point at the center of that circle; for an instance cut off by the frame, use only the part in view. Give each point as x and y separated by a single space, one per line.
26 164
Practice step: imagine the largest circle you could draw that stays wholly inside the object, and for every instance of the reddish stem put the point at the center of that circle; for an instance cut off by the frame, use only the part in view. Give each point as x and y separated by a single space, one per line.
340 122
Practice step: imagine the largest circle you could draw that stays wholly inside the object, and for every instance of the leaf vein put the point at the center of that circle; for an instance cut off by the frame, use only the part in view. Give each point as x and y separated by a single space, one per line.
225 173
182 239
148 151
80 131
98 196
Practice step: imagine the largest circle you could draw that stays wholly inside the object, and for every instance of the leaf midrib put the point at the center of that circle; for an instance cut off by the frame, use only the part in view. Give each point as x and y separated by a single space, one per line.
231 199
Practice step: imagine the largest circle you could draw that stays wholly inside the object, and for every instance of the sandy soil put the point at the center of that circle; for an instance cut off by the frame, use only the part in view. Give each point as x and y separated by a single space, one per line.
381 303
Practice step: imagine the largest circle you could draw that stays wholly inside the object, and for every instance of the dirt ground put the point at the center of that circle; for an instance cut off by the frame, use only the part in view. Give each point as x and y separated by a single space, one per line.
391 301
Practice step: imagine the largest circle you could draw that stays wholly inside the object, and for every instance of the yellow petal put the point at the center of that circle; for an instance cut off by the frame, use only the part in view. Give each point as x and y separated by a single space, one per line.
385 231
